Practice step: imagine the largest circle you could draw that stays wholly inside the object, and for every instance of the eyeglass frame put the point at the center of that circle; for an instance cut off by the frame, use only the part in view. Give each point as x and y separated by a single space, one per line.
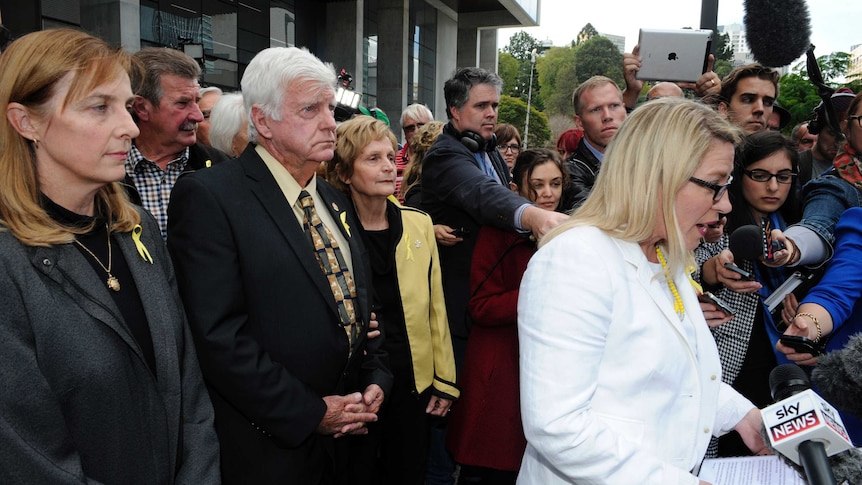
718 190
750 174
514 148
858 119
414 126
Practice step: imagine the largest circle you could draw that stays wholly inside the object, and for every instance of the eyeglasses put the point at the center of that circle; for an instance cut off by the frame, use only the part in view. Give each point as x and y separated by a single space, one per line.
858 119
764 176
718 189
414 126
206 113
505 148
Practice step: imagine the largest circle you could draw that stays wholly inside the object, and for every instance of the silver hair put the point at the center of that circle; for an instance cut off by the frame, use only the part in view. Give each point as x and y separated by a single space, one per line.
271 71
210 89
416 111
226 120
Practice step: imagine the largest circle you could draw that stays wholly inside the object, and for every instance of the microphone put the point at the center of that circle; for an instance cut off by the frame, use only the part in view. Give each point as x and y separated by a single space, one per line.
802 426
777 31
744 243
838 376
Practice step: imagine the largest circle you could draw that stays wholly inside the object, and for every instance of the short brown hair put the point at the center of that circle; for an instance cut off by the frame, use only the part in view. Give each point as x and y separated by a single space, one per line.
729 83
588 85
156 62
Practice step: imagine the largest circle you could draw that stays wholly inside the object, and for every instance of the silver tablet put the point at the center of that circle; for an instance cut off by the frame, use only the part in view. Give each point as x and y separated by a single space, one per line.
673 55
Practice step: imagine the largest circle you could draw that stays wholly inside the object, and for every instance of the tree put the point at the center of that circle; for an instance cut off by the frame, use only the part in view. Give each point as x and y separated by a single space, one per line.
599 56
587 33
521 46
799 96
507 69
514 111
723 48
556 75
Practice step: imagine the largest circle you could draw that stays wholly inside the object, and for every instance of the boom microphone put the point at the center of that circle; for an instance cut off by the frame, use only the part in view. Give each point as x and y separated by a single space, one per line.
802 426
838 376
777 31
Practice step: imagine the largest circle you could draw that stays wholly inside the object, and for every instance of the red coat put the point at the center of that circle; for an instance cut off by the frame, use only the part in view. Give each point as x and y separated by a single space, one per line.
485 424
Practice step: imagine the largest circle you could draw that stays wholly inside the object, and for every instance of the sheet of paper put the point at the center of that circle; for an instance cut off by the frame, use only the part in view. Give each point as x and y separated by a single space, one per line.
749 470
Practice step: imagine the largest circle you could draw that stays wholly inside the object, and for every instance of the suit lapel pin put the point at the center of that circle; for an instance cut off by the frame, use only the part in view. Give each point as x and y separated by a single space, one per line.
418 244
335 207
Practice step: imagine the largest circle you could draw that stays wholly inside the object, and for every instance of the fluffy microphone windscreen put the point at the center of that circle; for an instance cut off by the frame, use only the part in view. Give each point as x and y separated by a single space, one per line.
838 377
777 31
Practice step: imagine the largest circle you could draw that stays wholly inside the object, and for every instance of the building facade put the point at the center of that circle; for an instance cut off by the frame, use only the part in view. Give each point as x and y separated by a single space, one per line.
398 51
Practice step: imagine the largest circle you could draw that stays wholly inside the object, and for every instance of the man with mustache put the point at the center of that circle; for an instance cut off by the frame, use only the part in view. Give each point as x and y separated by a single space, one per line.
599 112
167 112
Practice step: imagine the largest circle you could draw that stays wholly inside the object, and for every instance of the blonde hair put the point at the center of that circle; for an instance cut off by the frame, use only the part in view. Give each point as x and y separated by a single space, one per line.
420 143
32 66
353 136
650 159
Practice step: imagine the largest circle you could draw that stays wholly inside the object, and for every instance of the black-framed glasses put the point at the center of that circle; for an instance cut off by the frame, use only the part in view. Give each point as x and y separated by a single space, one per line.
718 190
858 119
513 147
414 126
759 175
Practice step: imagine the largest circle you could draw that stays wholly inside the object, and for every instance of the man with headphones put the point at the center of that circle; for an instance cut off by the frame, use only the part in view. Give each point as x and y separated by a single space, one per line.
465 184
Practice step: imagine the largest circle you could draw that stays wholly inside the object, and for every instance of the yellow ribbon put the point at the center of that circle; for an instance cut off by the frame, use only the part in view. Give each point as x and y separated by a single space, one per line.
409 249
344 223
208 163
699 289
142 250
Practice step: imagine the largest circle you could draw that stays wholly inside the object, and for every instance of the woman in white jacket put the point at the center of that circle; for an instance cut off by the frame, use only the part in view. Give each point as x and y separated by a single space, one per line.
620 378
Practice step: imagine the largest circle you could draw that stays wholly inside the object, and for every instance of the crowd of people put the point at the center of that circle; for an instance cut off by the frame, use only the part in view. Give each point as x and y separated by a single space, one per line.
207 287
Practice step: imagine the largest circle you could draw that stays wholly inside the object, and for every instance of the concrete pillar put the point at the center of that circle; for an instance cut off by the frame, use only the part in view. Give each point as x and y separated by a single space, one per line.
118 22
393 42
468 46
344 32
488 49
447 52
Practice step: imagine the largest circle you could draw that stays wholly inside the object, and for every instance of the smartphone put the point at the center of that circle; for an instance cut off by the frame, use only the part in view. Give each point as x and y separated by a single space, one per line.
460 232
770 247
708 297
736 269
800 344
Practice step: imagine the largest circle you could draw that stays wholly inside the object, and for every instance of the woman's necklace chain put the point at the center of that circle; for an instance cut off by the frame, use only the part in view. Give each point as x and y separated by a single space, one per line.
113 283
678 307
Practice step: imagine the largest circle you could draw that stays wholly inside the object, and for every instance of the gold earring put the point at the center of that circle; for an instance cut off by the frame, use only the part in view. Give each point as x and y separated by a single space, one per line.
36 143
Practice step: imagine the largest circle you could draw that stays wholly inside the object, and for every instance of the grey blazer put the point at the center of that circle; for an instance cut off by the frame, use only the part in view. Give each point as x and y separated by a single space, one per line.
78 403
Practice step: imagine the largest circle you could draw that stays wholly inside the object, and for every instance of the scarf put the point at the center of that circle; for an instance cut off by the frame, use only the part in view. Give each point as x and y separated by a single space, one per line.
849 166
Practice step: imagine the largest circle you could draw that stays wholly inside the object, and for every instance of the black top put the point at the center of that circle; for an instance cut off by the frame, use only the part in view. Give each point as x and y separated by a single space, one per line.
128 299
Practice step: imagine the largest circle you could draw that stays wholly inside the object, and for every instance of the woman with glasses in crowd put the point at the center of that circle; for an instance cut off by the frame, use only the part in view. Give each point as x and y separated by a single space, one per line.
101 383
763 188
618 370
488 441
508 142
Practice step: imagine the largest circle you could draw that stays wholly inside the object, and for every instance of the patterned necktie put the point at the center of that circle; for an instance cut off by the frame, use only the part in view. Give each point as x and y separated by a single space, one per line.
333 266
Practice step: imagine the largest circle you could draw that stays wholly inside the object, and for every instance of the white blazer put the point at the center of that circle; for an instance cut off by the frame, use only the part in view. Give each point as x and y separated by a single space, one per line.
615 389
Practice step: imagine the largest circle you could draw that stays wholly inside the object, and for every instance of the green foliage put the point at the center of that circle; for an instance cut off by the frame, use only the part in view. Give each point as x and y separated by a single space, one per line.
514 110
521 44
520 47
799 96
556 71
723 49
722 68
599 56
586 33
507 69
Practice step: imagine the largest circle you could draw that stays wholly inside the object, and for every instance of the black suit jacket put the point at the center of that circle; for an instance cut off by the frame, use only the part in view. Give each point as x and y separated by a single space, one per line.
457 192
265 321
583 168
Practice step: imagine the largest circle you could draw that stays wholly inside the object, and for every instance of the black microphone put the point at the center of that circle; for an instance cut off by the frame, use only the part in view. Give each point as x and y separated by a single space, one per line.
746 243
777 31
802 426
838 376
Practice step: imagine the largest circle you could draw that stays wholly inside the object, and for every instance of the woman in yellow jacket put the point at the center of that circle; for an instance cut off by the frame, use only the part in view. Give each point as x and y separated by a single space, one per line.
408 299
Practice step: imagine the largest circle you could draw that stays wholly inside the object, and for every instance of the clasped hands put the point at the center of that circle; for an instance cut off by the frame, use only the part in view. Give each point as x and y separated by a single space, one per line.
349 414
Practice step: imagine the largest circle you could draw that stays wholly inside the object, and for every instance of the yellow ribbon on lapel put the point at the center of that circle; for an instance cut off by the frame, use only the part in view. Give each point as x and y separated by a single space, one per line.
345 224
208 163
407 245
690 271
142 250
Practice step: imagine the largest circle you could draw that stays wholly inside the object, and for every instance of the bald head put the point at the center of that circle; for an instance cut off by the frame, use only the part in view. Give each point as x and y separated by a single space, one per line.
664 90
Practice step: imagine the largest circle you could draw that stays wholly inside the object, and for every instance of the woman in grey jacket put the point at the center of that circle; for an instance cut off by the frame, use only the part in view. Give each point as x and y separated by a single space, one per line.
101 382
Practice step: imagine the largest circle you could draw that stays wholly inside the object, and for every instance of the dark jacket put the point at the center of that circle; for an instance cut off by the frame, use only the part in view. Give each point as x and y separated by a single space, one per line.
457 192
583 168
79 404
265 322
199 155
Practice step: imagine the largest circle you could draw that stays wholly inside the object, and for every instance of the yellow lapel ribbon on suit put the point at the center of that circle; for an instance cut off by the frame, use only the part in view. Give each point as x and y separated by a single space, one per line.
344 223
142 250
332 264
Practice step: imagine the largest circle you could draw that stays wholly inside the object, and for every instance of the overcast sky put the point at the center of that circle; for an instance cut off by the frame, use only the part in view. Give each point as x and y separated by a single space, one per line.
835 24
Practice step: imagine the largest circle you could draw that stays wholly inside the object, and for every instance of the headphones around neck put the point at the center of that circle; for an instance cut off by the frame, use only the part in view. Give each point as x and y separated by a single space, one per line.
475 142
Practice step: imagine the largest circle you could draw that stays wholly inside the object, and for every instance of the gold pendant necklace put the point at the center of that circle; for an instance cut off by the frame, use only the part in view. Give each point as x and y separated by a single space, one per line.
112 282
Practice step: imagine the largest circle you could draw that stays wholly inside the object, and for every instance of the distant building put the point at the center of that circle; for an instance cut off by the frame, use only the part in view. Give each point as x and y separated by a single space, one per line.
619 41
854 70
398 51
736 36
